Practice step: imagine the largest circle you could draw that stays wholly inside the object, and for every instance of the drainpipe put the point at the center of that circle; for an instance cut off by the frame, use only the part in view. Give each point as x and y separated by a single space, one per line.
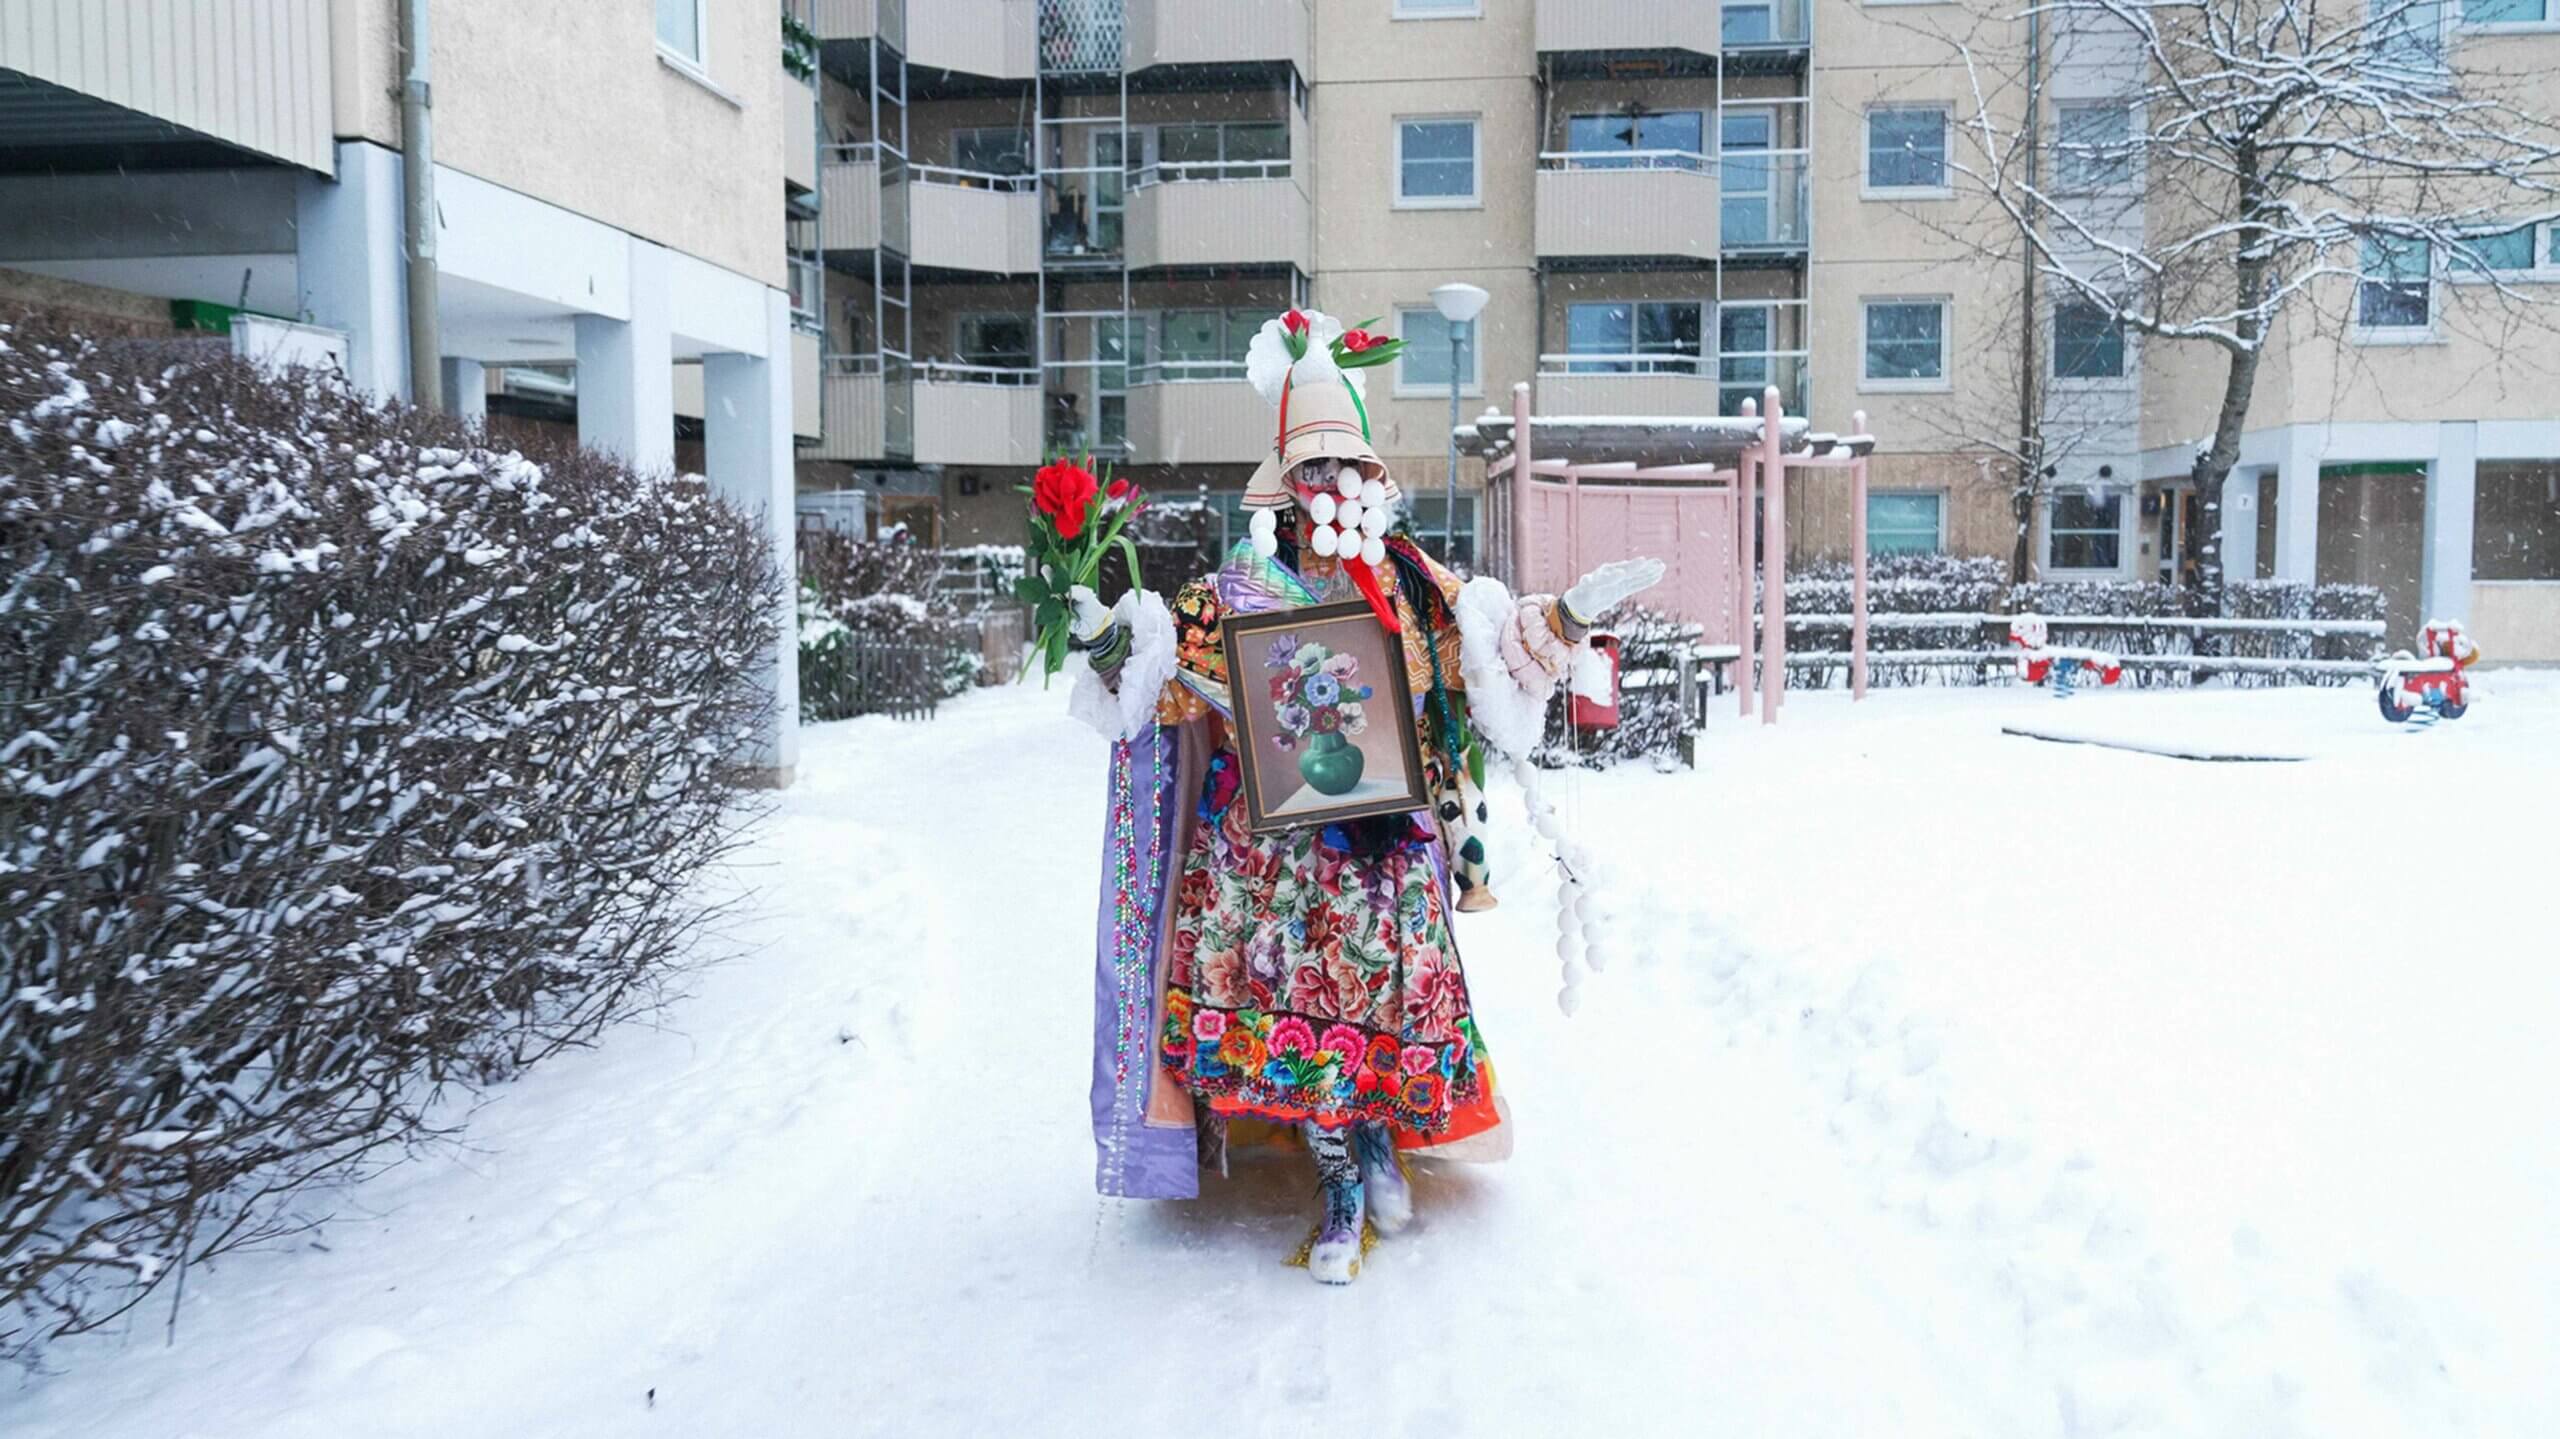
2031 436
418 193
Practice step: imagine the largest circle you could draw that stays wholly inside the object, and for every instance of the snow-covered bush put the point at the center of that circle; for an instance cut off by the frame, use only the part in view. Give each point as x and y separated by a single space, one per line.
1650 719
340 760
878 633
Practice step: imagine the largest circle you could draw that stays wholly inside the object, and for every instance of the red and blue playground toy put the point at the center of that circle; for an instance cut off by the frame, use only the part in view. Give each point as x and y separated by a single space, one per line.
2432 681
2059 666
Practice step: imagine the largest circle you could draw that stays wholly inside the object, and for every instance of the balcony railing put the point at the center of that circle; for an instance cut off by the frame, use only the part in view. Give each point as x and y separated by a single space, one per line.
1173 172
977 414
975 179
1689 160
1221 212
950 372
1659 383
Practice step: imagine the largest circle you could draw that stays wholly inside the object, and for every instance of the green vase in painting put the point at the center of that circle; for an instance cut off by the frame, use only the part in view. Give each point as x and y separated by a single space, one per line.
1331 764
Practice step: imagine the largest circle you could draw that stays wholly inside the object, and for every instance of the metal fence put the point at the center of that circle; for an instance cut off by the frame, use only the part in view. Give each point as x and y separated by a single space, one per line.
855 677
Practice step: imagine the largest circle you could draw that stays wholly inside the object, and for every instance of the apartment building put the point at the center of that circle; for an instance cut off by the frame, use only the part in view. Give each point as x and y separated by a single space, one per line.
1053 224
609 193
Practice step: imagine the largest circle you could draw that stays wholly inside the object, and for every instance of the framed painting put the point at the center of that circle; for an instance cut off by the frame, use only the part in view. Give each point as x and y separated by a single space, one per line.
1323 716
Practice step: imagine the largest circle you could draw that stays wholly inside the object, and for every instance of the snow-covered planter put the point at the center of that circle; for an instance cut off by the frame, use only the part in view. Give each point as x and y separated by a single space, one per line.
340 760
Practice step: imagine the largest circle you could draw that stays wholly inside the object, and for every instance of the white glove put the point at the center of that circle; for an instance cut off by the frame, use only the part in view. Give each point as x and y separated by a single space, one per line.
1089 619
1600 591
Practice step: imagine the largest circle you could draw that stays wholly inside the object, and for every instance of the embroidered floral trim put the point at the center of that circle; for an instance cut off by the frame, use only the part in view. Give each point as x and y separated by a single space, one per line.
1290 1067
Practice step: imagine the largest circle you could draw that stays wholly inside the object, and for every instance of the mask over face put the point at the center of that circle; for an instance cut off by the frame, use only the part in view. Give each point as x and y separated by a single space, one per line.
1347 516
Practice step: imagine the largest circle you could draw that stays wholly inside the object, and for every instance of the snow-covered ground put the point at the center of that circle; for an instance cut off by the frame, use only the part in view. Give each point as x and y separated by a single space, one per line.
1947 1083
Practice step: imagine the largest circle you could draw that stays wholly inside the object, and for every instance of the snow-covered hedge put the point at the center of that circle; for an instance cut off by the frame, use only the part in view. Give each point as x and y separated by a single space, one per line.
341 759
878 631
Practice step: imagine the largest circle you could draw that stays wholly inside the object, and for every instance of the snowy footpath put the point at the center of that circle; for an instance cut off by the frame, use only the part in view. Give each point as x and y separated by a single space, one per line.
1947 1083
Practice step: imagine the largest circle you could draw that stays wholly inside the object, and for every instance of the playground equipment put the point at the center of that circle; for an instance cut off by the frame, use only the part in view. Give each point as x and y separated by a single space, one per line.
2433 680
2040 662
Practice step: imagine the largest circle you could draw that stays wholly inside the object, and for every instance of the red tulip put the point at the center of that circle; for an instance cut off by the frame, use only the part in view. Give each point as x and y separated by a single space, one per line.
1294 323
1121 491
1357 340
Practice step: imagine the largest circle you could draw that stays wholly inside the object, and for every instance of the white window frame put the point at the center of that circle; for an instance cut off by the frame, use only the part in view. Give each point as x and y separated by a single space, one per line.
1473 199
1867 187
2132 180
697 64
1705 362
1472 384
1945 380
1408 10
1938 540
2548 24
2125 545
2545 268
2426 334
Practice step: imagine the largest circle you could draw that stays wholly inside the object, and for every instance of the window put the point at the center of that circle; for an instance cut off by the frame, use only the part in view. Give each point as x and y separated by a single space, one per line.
2516 532
1904 522
2506 12
1907 148
1750 22
2408 34
1002 341
2084 531
2394 291
1635 336
680 29
1904 344
2508 252
1423 368
1745 187
1591 138
1743 343
2087 343
1223 151
993 150
1435 163
2093 147
1427 509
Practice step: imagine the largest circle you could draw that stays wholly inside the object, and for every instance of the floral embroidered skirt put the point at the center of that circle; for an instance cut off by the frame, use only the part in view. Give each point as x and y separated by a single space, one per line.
1310 983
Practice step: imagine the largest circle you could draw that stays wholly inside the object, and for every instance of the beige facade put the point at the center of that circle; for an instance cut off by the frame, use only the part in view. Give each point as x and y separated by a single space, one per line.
1671 205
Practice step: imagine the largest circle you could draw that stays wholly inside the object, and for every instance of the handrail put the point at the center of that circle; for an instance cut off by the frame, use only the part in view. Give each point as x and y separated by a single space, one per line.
1164 172
953 372
974 179
1185 372
849 364
1690 161
1651 363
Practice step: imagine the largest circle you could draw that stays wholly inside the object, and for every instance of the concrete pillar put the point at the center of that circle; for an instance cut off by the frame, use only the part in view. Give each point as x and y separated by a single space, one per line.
466 390
626 371
348 263
2239 540
2452 479
2298 507
746 448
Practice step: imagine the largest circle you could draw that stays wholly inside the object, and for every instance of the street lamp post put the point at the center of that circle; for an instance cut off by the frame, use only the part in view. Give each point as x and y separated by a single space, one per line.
1458 303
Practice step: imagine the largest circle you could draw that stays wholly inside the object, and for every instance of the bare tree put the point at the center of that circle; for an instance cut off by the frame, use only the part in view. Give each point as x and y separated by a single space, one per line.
2284 155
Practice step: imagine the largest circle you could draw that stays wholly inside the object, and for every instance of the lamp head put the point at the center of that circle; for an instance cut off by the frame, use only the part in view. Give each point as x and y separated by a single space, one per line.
1459 302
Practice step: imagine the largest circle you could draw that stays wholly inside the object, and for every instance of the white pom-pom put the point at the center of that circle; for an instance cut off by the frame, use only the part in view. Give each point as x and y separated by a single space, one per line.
1347 514
1373 492
1569 999
1596 956
1320 509
1264 522
1374 550
1324 540
1373 522
1266 543
1350 483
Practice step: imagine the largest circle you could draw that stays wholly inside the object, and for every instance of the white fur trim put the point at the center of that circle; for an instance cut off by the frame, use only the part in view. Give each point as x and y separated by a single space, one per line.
1266 359
1143 674
1512 717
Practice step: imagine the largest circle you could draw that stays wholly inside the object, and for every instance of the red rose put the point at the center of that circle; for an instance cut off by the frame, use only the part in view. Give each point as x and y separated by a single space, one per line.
1063 491
1357 340
1294 323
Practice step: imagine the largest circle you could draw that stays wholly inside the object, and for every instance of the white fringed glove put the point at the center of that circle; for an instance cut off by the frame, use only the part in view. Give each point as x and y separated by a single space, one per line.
1089 618
1602 590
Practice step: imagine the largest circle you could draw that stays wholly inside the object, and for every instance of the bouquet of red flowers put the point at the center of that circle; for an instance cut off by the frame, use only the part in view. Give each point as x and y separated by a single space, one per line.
1075 517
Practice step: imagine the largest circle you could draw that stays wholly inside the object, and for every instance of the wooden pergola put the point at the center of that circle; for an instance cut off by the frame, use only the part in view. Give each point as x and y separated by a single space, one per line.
1622 483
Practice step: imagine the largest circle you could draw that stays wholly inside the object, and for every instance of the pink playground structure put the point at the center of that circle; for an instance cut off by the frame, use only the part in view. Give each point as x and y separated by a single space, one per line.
1555 518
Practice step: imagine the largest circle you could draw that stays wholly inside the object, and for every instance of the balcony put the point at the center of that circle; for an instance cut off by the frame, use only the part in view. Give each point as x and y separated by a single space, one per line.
1196 415
1625 204
970 220
861 20
1219 32
799 136
849 198
1658 384
1228 213
977 415
1628 25
808 411
866 410
996 38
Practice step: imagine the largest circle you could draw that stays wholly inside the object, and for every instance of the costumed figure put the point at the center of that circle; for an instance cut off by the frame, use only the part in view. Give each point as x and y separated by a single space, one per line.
1306 979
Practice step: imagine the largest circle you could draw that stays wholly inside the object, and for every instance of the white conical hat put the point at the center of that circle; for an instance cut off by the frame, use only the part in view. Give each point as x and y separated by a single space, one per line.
1318 409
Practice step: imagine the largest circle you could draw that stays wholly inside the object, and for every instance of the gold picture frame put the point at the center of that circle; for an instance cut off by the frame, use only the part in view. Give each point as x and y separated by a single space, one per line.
1324 723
